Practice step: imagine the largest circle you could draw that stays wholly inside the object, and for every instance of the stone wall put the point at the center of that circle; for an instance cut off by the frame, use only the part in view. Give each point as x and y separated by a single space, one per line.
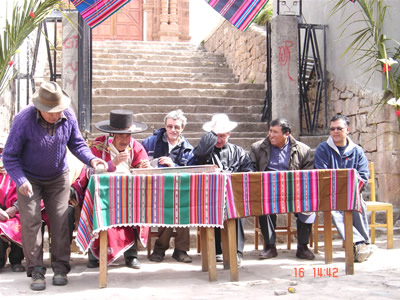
376 130
245 52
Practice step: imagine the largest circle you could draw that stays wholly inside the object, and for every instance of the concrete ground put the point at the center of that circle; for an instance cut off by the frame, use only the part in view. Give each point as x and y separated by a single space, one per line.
377 278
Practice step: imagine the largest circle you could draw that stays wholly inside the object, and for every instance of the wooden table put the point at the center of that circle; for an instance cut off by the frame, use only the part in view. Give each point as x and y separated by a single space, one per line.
247 194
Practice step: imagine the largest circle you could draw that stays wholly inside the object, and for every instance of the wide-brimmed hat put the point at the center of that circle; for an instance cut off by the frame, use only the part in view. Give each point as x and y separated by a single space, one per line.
121 121
220 123
51 98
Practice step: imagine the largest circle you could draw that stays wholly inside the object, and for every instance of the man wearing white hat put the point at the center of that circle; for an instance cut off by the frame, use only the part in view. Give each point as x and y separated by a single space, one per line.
35 158
215 149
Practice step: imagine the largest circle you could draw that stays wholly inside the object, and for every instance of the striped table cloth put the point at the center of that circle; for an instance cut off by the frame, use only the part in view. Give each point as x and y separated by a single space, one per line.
261 193
178 200
240 13
94 12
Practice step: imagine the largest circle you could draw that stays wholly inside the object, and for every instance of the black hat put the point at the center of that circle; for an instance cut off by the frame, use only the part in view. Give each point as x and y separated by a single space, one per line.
121 121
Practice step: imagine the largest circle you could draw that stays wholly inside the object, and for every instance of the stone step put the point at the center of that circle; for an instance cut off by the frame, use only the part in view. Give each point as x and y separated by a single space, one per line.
248 119
185 92
158 55
151 84
178 102
165 63
114 69
168 77
313 141
164 109
98 73
116 44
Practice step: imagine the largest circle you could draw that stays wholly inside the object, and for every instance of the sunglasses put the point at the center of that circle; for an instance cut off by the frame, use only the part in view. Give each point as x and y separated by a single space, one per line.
336 128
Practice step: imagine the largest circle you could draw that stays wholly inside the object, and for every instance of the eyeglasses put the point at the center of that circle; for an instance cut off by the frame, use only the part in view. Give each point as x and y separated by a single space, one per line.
336 128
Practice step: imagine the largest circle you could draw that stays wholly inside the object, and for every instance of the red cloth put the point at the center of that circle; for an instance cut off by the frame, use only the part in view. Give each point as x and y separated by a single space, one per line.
119 239
10 229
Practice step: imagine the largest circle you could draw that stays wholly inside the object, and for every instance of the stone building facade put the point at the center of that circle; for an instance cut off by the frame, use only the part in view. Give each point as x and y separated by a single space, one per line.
374 128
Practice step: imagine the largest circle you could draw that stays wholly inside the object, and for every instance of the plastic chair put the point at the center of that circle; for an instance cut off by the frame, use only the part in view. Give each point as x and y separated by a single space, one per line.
373 206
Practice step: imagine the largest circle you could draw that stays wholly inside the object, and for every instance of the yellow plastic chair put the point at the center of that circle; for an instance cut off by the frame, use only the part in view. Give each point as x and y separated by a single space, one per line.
373 206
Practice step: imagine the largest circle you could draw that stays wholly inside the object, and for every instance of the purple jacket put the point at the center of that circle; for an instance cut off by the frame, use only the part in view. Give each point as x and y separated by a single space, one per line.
31 152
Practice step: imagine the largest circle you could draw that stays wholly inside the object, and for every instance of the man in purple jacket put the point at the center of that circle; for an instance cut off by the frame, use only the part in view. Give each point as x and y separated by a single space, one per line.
35 158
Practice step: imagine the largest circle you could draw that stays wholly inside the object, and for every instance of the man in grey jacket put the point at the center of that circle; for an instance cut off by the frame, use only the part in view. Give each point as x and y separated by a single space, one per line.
281 152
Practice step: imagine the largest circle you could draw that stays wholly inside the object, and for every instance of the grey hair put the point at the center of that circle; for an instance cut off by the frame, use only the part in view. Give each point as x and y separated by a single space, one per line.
176 115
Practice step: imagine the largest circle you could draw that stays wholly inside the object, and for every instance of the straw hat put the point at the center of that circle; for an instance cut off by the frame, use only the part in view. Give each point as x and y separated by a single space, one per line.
51 98
121 121
220 123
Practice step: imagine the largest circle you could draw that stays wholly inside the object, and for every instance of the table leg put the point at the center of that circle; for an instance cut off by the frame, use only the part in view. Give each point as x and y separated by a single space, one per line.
348 242
103 259
328 237
225 246
212 264
203 249
230 226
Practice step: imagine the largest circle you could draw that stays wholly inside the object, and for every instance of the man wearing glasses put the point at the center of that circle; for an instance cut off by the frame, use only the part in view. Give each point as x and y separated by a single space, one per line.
340 152
167 147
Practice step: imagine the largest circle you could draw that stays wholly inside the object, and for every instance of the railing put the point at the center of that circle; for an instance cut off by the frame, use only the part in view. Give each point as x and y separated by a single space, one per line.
313 81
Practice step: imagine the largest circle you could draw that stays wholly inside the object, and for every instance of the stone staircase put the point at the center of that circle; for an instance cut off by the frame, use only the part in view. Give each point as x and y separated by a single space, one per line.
153 78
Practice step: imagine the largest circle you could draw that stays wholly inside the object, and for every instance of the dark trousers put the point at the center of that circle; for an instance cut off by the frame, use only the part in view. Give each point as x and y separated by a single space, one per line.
182 239
268 225
239 237
15 256
55 195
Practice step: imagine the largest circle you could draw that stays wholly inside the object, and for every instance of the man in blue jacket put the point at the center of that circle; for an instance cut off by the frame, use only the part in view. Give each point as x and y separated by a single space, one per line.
340 152
167 147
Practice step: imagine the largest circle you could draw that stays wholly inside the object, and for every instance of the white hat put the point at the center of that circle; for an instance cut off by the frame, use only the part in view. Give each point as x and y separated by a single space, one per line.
219 124
50 98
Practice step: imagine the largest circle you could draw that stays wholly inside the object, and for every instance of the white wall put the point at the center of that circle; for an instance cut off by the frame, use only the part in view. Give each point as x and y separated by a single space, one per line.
203 20
317 12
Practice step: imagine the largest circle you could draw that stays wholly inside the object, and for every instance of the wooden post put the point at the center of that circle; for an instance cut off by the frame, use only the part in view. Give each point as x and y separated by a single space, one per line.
212 264
225 245
231 232
348 242
328 237
203 249
103 259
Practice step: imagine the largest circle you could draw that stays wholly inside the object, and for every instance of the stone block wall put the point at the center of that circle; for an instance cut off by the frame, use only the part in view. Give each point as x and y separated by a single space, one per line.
245 52
375 129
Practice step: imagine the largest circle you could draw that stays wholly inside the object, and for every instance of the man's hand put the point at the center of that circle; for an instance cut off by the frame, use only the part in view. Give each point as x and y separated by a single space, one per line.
97 161
26 189
121 157
11 211
144 164
165 160
3 215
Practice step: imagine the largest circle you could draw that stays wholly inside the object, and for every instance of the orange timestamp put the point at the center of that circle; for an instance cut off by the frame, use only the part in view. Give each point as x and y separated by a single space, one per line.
317 272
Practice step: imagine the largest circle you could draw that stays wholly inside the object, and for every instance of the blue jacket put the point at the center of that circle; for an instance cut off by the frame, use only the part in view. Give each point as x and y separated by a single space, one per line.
327 156
157 146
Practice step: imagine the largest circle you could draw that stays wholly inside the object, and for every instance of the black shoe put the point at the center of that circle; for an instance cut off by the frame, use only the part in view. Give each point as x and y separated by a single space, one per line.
38 282
181 256
17 268
269 252
157 257
60 279
92 264
303 252
132 262
239 259
219 258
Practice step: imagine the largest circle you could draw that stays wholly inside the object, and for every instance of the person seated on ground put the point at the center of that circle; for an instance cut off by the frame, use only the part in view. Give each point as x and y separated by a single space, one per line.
167 147
280 151
122 152
10 225
215 149
340 152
